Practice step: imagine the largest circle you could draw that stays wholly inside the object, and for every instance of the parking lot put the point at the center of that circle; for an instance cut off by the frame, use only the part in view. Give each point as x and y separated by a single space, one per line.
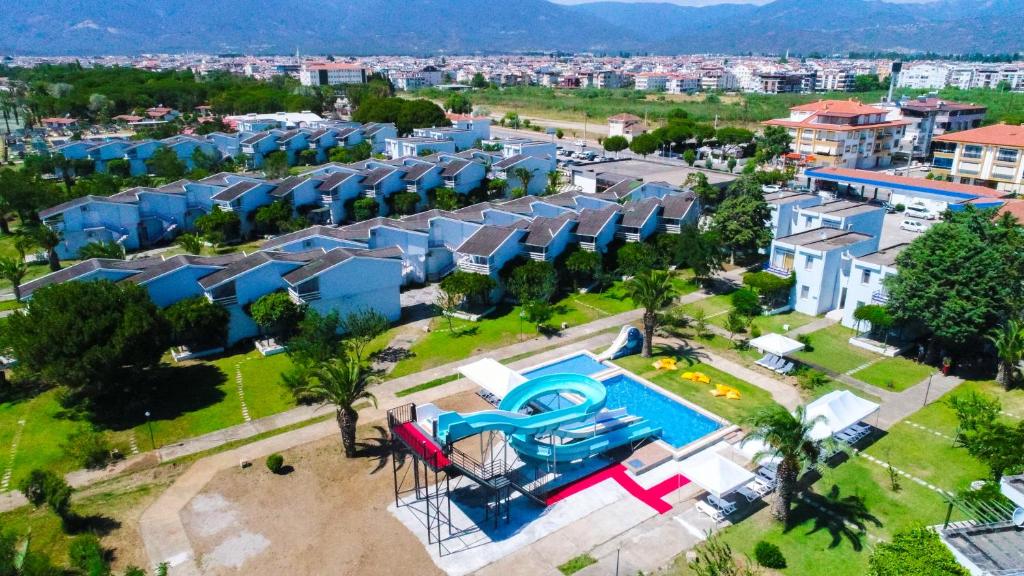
892 234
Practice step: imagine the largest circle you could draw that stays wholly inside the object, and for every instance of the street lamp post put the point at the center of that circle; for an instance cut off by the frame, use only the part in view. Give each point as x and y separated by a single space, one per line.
149 423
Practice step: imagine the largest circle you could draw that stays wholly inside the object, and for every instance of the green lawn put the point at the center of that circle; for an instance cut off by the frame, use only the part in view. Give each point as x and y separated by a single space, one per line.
502 328
700 394
782 323
6 305
814 545
208 400
195 399
895 374
715 307
832 350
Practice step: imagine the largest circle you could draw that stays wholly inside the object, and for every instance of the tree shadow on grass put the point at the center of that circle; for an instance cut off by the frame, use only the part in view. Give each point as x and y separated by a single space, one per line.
376 448
844 517
97 524
682 351
167 393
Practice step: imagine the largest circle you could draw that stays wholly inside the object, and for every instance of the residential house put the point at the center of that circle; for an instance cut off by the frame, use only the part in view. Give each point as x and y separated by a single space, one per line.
626 125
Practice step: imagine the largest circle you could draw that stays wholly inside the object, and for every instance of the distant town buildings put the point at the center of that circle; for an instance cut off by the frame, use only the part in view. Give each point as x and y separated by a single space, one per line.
331 74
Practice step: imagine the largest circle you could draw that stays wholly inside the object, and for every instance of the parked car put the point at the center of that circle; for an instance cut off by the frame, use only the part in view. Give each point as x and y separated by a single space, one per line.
771 188
913 226
918 211
889 208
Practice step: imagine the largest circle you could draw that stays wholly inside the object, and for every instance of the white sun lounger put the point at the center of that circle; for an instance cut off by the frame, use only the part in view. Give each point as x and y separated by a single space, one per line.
786 368
710 511
756 489
724 506
766 360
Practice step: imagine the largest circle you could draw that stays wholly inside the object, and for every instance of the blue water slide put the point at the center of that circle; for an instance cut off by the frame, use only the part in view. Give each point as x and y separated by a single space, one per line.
524 429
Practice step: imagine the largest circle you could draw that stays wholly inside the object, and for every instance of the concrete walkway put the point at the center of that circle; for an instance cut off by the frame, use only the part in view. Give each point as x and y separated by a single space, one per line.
812 326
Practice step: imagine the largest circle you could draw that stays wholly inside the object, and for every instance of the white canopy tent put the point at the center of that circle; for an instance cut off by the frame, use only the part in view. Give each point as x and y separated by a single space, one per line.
776 344
492 376
840 409
751 448
715 473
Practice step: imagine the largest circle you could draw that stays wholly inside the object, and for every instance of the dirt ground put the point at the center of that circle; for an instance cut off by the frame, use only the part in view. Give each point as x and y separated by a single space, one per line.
328 515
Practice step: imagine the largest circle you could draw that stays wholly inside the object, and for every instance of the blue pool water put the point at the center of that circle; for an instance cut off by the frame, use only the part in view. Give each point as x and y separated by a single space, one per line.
680 425
578 364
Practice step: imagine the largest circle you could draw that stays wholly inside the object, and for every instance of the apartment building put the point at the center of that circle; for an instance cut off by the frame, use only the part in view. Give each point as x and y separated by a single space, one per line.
866 282
842 133
331 74
650 81
991 156
928 117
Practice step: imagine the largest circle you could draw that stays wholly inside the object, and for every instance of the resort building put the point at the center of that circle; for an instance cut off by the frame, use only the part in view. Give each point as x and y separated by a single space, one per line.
842 133
821 259
626 125
785 205
990 156
865 283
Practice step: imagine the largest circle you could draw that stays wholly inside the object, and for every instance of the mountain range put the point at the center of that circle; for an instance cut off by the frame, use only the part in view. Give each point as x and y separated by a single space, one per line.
362 27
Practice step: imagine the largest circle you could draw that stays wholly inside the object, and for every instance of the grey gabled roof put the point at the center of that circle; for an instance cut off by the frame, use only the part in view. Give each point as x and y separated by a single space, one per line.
234 191
332 181
285 186
85 267
543 230
181 261
64 206
592 221
316 266
509 162
634 215
252 261
677 205
486 240
328 231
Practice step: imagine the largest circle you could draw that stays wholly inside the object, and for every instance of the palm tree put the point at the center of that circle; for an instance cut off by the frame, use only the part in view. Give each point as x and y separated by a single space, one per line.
788 437
1008 341
14 272
343 382
524 176
192 243
554 181
651 290
48 239
109 250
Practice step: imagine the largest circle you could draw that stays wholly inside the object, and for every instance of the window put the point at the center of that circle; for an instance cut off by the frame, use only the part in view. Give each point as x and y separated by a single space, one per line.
939 162
805 292
1006 155
865 276
972 151
808 220
808 263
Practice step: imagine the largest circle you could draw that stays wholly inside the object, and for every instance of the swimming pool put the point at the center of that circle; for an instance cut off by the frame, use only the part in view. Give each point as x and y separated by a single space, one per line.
584 364
680 424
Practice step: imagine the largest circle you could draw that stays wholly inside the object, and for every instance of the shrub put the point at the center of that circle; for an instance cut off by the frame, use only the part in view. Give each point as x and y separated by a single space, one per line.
805 339
736 322
769 555
811 379
89 448
45 487
755 331
88 556
275 463
364 208
746 302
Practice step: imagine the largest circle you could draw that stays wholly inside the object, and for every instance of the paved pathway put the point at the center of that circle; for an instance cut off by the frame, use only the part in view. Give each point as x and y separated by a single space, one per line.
812 326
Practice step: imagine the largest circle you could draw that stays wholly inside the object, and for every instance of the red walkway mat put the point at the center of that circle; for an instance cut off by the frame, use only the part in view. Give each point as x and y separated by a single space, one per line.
651 496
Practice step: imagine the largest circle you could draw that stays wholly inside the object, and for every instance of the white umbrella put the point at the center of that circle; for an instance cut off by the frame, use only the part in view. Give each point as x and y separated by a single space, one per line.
492 376
714 473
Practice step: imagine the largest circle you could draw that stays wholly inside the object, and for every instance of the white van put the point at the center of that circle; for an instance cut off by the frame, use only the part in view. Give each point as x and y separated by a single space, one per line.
913 226
918 211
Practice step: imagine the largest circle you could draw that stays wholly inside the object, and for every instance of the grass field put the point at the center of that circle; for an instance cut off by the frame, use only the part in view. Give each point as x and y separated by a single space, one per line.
203 397
832 350
896 374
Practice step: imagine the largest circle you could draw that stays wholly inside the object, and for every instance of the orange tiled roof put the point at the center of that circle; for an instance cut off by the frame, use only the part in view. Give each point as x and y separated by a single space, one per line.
995 135
838 108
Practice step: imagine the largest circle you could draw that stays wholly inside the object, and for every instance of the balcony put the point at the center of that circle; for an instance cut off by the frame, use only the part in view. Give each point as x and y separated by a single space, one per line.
223 300
467 264
538 253
880 297
326 199
301 298
780 271
629 234
450 183
412 188
248 149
